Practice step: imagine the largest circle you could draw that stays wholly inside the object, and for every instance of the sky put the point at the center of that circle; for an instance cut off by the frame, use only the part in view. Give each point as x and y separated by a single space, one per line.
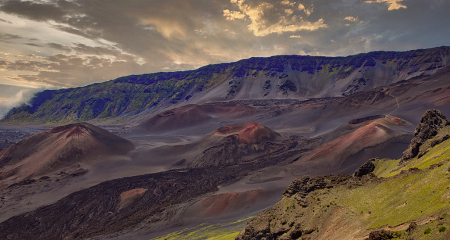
50 44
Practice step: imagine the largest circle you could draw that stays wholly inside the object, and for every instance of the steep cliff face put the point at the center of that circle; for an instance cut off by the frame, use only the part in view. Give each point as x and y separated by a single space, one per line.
274 77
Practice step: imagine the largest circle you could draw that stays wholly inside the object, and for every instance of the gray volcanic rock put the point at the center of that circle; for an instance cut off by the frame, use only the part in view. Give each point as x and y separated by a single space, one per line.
431 122
439 140
111 206
305 184
133 203
239 143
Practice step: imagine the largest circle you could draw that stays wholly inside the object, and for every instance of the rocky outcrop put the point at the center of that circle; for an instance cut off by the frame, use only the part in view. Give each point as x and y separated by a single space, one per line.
432 121
381 235
356 85
304 185
298 199
238 144
365 169
439 140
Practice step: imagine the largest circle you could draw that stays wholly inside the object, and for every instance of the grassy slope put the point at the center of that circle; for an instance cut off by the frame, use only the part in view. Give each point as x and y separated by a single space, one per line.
406 196
209 232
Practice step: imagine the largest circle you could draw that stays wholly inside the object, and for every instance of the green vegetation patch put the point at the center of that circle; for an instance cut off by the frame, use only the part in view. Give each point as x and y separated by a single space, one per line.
227 231
401 199
407 195
436 229
438 154
383 168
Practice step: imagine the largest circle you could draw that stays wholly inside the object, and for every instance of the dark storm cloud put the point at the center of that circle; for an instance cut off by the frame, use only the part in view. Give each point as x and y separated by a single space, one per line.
7 36
143 36
34 11
58 47
14 38
33 44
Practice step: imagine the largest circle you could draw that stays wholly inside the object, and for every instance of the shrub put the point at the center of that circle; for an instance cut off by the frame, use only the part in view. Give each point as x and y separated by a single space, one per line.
442 229
427 231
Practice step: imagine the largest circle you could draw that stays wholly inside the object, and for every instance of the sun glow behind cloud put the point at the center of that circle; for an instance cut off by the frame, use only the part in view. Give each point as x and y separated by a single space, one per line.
284 21
393 4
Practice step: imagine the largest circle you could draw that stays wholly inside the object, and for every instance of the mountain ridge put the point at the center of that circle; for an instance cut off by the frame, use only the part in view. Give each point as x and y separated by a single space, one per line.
282 77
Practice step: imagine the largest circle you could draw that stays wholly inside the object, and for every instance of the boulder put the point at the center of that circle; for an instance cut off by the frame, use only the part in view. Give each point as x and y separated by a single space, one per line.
365 169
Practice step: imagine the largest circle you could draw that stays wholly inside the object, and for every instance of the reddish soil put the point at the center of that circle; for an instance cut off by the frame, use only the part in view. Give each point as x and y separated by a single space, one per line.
398 121
311 104
250 132
138 192
370 133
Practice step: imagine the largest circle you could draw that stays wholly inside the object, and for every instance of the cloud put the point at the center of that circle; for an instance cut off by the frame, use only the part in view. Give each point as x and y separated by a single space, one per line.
5 21
393 4
302 7
287 2
33 11
232 15
33 44
22 96
58 46
266 18
7 36
74 43
288 11
172 23
351 19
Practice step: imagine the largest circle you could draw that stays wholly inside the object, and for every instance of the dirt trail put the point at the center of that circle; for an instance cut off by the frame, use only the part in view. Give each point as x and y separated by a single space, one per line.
398 105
